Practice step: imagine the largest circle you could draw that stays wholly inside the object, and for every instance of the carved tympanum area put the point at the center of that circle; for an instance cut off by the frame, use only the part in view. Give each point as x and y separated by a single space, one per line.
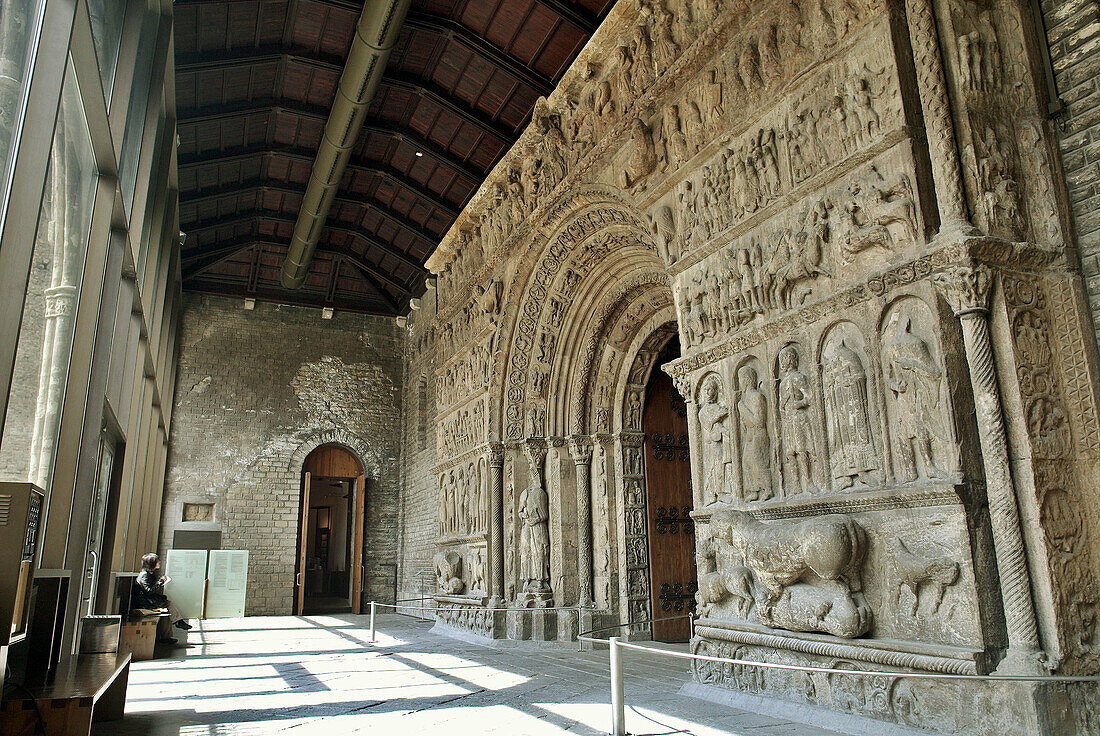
847 212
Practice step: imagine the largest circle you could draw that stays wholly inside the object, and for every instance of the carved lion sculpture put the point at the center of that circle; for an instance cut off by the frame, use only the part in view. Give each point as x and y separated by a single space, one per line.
448 571
807 572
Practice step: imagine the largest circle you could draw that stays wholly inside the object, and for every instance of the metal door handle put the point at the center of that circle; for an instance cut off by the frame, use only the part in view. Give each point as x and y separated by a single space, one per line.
297 579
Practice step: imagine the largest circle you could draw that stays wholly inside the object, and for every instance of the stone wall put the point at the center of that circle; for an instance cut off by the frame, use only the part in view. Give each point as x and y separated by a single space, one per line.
257 391
1073 34
419 500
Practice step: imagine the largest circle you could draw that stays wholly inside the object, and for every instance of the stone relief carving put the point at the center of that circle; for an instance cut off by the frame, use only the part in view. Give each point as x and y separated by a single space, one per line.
854 461
448 572
714 421
876 212
919 572
534 541
800 575
796 423
756 450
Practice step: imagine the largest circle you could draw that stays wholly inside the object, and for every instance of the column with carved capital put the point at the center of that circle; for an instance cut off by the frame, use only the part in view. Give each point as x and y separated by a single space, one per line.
940 127
967 290
496 523
581 449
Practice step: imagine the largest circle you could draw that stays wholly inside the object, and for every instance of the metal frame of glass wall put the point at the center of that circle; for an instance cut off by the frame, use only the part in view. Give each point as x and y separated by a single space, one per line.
88 160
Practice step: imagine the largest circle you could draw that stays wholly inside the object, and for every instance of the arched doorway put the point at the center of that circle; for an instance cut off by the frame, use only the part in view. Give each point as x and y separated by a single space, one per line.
672 571
329 572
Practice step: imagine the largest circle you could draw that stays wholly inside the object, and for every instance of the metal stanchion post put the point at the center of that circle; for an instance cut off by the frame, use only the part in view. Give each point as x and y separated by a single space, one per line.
691 624
372 607
618 708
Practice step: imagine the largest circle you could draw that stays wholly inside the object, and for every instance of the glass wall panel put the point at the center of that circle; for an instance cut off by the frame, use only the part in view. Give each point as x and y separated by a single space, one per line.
19 23
107 17
139 105
53 290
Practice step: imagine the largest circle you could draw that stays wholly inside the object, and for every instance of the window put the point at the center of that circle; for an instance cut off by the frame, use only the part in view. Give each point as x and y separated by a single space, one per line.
107 19
19 23
53 290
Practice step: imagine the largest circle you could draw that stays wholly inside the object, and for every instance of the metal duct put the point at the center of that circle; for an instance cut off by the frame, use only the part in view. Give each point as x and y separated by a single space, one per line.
375 35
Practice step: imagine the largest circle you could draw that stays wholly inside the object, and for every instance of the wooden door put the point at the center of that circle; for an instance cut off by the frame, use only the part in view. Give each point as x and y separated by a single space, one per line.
303 537
355 564
672 580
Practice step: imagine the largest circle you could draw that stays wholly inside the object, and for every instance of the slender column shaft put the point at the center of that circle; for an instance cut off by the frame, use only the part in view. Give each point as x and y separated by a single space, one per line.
496 514
924 39
581 449
967 290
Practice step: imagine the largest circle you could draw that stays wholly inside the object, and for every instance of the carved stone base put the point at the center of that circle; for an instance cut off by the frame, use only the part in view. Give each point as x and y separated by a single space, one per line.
872 704
471 620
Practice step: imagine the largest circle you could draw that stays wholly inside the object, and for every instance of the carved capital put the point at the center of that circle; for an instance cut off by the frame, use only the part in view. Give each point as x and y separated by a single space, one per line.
535 450
683 386
496 455
580 447
966 288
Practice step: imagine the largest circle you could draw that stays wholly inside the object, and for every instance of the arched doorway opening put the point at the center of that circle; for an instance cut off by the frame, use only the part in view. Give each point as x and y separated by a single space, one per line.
329 571
672 572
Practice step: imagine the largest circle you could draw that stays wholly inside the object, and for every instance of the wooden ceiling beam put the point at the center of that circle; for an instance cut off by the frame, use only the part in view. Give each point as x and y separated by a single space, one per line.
388 248
345 198
409 82
460 34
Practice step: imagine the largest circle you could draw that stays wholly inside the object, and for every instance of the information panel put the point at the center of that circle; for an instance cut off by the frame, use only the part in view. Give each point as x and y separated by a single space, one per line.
186 569
228 575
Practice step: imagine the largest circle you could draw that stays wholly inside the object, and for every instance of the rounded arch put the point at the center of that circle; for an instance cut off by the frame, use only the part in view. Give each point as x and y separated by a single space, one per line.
368 461
596 241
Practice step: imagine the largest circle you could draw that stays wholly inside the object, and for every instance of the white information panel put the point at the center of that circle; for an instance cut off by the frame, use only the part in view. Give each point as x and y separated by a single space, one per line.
186 569
228 575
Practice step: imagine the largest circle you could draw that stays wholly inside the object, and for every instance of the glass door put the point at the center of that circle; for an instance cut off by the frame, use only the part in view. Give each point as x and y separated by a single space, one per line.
94 552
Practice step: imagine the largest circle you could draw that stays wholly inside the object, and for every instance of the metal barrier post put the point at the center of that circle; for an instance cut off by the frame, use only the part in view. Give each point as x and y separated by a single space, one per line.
691 624
618 709
372 620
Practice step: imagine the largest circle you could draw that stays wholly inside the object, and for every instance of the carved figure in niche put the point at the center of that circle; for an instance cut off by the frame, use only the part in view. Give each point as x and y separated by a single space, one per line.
643 156
448 572
475 570
713 414
482 501
634 410
623 87
665 48
918 572
534 541
873 208
749 69
756 447
915 380
851 447
794 417
451 493
1000 195
664 227
444 520
675 139
808 572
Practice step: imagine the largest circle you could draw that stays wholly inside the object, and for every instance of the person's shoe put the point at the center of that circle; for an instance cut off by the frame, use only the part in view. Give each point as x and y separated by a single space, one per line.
182 624
167 640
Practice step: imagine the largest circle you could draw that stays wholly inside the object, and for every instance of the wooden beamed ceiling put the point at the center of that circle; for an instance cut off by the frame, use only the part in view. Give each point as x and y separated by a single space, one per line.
254 82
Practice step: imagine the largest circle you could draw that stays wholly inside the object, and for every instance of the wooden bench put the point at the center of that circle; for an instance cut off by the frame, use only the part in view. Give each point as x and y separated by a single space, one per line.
90 687
139 634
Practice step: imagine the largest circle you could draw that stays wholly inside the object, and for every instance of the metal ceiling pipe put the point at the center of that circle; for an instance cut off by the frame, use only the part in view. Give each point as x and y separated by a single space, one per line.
375 36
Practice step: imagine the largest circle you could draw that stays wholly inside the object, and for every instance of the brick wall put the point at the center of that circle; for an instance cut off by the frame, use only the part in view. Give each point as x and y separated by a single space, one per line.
1073 34
420 500
257 391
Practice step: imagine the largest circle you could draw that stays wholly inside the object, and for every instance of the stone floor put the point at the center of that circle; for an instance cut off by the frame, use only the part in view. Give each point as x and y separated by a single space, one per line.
320 674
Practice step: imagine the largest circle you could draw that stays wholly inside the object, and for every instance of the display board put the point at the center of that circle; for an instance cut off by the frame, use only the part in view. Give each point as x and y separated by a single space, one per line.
228 576
186 569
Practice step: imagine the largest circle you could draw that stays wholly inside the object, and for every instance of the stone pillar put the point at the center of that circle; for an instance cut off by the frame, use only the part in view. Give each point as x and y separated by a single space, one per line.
496 523
940 127
967 290
581 449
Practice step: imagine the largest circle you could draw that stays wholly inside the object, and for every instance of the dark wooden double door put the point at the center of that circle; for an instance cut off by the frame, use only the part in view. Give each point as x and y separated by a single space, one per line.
672 576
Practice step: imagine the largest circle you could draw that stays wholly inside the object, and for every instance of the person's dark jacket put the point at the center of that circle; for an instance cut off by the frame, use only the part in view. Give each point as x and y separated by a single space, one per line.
148 591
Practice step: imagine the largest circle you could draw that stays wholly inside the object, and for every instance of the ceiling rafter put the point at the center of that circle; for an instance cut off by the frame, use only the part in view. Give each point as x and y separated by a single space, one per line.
345 197
281 218
390 174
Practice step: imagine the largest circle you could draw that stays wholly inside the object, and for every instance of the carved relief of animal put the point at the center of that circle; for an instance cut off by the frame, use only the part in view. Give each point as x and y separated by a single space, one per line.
448 571
917 571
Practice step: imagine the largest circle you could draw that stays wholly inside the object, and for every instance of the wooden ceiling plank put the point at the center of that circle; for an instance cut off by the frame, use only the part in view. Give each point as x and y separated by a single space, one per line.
460 34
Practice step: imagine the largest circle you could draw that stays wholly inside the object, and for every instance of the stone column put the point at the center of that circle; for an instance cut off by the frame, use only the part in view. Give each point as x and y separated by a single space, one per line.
581 449
936 106
496 522
967 290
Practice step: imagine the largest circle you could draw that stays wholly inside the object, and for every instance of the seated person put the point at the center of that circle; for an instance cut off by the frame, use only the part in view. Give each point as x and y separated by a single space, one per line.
148 592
